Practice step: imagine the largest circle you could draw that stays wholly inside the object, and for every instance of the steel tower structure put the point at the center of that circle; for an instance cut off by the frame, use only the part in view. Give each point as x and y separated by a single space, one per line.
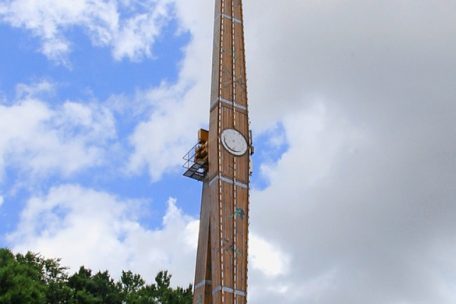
221 160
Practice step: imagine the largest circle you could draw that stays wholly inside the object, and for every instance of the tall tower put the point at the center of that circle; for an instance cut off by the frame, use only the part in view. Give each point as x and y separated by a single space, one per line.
221 160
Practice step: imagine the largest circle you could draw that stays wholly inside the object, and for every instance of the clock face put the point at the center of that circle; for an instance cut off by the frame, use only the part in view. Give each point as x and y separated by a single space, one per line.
234 142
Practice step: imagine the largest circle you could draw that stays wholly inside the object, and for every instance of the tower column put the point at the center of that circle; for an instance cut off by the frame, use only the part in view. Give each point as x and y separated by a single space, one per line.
221 266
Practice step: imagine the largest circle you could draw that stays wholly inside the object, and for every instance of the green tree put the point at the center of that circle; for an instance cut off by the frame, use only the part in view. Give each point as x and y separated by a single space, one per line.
21 279
132 289
93 289
32 279
166 294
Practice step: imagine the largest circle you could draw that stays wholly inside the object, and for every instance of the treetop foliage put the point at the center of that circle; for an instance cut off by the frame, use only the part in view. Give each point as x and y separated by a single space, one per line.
32 279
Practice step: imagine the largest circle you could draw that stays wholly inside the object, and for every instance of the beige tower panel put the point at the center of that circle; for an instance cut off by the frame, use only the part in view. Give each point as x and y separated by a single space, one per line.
227 205
237 9
240 81
226 66
242 236
213 145
203 288
216 53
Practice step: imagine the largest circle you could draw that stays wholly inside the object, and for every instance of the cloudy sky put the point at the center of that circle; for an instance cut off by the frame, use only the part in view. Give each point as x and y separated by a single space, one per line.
353 105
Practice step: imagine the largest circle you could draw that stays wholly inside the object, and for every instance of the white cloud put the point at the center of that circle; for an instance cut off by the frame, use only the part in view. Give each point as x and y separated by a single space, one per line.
363 194
177 110
266 290
129 28
2 200
40 140
36 89
101 231
170 131
266 257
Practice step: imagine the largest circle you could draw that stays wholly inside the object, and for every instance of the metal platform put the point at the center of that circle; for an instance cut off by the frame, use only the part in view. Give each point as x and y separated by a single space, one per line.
195 168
